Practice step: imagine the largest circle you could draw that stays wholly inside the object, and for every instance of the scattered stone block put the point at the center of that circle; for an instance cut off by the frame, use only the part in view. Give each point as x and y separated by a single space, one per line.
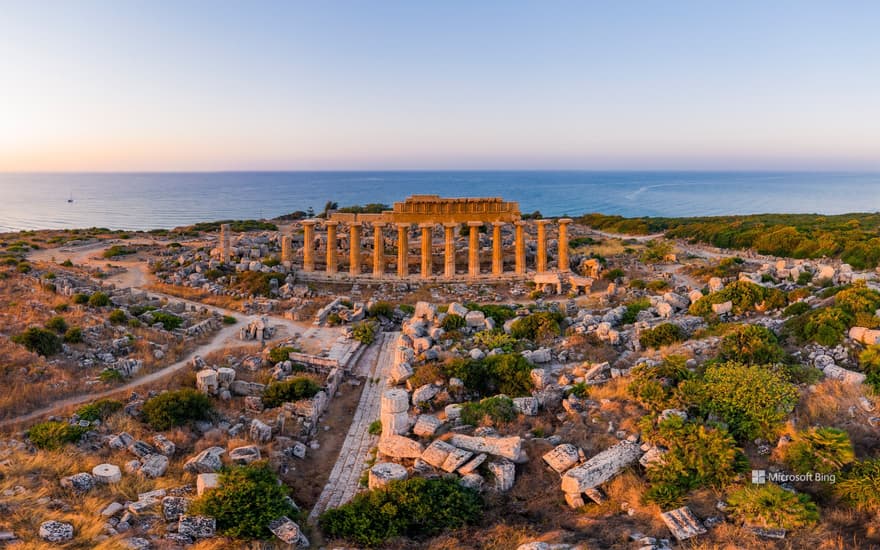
174 507
384 473
455 459
107 473
56 531
471 466
722 308
112 509
427 425
601 467
260 431
472 481
205 482
683 523
288 532
424 393
526 405
205 462
397 446
154 466
164 445
245 455
562 457
504 473
197 527
395 401
78 483
436 453
507 447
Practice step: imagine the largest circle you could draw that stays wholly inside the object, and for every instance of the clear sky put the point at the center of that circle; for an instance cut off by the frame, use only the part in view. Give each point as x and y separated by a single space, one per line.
445 84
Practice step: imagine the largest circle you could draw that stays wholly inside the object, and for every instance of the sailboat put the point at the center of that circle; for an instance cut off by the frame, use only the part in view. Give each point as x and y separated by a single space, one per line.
70 199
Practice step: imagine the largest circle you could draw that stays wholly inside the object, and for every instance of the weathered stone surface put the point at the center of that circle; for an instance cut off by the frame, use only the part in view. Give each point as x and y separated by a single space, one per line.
205 462
601 467
400 372
455 459
174 507
395 401
384 473
562 458
457 309
540 378
288 532
56 531
475 319
112 509
722 308
107 473
207 382
164 445
197 527
241 387
424 393
839 373
245 455
504 473
507 447
436 453
142 449
260 431
136 543
78 483
453 412
154 466
683 523
715 284
427 425
205 482
395 423
397 446
472 465
526 405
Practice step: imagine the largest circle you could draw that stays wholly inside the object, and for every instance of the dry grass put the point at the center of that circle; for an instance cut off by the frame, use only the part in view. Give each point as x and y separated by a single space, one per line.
197 295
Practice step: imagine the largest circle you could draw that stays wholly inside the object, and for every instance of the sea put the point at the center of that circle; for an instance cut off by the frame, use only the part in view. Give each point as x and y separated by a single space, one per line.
143 201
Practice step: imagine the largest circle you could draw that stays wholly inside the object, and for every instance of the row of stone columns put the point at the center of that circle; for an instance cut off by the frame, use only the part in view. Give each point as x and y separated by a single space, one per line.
427 248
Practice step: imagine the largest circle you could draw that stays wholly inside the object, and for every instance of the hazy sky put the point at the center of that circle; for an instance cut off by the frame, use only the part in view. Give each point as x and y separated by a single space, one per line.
212 85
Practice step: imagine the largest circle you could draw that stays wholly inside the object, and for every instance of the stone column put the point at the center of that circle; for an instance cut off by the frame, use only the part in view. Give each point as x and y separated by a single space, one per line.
309 245
562 241
286 254
225 248
520 247
402 249
331 246
474 249
427 238
354 248
378 249
542 245
497 250
449 234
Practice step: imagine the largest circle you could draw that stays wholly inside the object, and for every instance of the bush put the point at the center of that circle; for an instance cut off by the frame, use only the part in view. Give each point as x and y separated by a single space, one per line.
99 410
507 373
499 314
134 323
745 296
859 486
613 274
858 298
696 456
74 335
98 299
751 345
57 324
796 308
497 409
281 353
39 340
229 320
293 389
381 309
826 326
770 506
247 499
117 250
415 508
453 322
538 327
654 387
364 332
632 310
752 400
80 298
175 408
117 316
580 390
661 335
53 435
169 321
823 450
495 339
375 427
111 375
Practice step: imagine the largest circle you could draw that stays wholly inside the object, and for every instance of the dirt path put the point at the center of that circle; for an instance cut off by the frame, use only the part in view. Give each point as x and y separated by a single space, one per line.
344 480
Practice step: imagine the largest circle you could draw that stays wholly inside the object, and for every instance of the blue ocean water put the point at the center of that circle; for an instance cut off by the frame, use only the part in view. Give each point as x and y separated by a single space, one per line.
164 200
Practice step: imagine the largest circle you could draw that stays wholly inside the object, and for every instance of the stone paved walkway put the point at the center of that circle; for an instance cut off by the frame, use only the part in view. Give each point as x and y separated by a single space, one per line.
344 480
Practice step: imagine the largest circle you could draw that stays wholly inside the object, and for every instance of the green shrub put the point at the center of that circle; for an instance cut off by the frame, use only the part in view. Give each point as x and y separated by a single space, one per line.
416 508
751 345
613 274
67 263
453 322
497 313
99 299
53 435
824 450
632 310
494 339
74 335
744 295
580 390
169 321
538 327
869 360
507 373
661 335
117 316
826 326
229 320
381 309
796 308
364 332
281 353
39 340
408 309
80 298
498 409
375 427
696 456
858 298
859 486
57 324
111 375
654 387
117 250
771 506
134 323
752 400
247 499
98 410
175 408
293 389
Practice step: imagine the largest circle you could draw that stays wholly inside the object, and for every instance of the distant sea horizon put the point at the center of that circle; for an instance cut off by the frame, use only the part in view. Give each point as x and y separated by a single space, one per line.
154 200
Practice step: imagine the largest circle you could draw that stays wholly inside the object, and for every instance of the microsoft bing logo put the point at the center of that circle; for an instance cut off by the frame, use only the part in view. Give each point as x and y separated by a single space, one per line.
759 476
